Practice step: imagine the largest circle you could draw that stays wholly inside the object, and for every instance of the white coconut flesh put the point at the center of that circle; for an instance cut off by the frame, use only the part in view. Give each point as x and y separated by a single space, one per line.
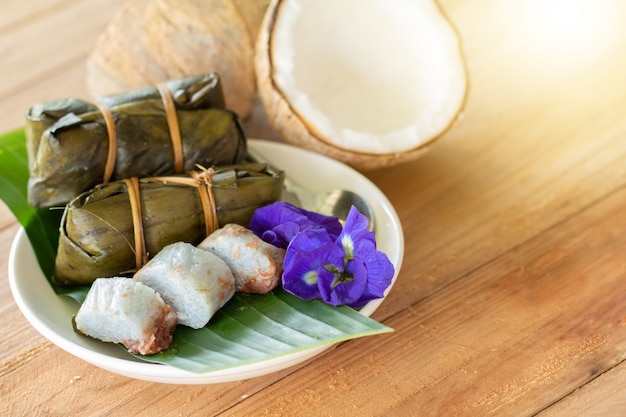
373 76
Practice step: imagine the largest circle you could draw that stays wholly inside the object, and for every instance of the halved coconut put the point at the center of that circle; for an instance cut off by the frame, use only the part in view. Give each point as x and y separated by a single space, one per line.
370 83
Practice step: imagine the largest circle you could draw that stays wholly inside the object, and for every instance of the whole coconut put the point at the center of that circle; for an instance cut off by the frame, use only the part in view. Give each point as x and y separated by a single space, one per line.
150 41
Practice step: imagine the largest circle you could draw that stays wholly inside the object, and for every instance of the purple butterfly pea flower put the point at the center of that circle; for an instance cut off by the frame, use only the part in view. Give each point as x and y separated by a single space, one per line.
280 222
346 269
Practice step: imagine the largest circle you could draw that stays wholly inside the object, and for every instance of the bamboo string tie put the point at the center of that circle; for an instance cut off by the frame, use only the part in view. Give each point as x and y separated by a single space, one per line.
141 255
207 197
112 134
172 123
202 180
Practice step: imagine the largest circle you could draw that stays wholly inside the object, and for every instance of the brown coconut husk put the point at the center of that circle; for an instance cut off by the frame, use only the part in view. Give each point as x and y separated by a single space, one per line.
150 41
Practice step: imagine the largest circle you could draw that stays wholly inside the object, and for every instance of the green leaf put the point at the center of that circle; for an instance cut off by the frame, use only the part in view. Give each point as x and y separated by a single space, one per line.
41 225
253 327
249 328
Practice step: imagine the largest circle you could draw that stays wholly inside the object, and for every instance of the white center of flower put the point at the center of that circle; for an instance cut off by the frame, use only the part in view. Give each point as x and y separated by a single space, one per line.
310 277
348 247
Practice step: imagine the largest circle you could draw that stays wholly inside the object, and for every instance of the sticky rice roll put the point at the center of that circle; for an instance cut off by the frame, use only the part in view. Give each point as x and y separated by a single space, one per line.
196 283
256 265
121 310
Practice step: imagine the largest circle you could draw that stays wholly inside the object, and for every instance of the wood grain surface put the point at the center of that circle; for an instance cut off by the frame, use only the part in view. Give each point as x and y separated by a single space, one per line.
511 300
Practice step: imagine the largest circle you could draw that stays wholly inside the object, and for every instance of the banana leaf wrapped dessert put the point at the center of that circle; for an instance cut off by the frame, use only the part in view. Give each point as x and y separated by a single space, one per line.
115 228
73 145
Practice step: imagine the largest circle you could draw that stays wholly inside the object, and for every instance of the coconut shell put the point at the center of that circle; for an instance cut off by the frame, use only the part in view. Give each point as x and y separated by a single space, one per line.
285 120
150 41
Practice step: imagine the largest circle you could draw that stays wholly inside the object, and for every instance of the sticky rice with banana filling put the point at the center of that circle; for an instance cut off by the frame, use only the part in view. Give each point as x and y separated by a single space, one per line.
256 265
195 282
121 310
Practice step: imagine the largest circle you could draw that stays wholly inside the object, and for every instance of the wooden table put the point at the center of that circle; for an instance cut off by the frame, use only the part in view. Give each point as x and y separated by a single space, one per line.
512 297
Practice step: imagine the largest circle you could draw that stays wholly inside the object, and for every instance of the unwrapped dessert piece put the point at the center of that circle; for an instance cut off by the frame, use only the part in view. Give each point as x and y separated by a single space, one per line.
121 310
256 265
195 282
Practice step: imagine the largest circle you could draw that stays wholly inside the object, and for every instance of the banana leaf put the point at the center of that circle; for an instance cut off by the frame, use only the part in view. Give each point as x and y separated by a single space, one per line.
68 140
97 237
40 225
255 327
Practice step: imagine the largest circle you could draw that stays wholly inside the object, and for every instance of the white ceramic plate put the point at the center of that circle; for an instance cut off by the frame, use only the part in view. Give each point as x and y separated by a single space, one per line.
51 314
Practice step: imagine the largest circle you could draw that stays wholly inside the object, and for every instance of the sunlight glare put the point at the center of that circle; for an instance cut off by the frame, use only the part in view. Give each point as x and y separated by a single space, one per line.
567 31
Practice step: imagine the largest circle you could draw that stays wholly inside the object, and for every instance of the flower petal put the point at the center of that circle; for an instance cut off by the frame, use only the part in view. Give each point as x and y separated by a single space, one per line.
307 253
354 230
281 235
380 272
330 223
306 241
348 292
278 223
